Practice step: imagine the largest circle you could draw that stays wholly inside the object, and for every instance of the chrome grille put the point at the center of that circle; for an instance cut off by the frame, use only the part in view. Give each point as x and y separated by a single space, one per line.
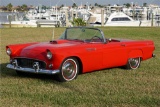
28 63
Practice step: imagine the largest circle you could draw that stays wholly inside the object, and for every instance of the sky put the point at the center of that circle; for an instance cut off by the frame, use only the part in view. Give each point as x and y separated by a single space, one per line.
78 2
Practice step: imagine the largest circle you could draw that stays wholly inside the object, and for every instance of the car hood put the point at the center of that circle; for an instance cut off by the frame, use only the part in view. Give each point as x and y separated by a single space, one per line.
39 49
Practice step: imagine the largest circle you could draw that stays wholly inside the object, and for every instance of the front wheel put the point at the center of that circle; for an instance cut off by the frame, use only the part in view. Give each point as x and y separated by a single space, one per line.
133 63
69 70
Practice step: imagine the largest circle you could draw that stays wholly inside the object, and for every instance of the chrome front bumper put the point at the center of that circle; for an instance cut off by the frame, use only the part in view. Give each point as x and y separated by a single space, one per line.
31 70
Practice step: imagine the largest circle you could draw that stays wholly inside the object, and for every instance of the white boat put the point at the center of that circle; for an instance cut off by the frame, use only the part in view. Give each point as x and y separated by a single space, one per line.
95 17
118 19
121 19
31 23
54 20
45 20
20 23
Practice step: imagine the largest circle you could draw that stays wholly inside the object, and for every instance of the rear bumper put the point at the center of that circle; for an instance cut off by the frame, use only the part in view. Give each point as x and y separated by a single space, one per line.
31 70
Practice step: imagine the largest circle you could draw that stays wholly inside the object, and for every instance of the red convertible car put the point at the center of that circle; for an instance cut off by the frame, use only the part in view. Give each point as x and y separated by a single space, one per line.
78 50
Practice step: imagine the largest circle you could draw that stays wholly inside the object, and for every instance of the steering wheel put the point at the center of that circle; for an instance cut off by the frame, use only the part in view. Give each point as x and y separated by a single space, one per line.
94 37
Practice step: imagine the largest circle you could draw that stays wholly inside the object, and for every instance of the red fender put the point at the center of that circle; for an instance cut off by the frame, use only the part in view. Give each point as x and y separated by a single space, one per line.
135 54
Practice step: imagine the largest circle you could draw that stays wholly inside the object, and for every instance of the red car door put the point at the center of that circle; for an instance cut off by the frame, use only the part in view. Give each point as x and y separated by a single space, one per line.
92 56
114 54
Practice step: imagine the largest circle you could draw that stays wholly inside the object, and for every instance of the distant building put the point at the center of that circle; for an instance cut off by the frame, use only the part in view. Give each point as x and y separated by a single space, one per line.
16 8
31 7
3 8
113 8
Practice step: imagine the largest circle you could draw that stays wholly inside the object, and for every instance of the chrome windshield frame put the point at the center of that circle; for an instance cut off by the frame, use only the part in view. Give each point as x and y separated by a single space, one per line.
102 34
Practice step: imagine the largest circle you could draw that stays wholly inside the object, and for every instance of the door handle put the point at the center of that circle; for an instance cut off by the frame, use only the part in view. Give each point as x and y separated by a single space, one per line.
91 49
123 44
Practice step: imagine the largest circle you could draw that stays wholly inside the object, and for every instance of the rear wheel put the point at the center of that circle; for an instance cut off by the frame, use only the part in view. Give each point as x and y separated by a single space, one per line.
69 70
133 63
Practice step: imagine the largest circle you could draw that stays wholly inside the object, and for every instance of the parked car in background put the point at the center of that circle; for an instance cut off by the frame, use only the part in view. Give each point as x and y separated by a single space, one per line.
78 50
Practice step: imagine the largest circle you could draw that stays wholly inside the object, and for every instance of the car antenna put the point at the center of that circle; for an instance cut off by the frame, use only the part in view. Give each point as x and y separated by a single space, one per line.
53 35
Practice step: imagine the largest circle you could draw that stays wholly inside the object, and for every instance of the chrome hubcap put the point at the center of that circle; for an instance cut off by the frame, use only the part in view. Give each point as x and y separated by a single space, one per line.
69 69
134 62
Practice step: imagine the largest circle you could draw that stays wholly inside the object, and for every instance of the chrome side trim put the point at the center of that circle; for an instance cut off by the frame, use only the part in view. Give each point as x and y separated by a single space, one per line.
43 71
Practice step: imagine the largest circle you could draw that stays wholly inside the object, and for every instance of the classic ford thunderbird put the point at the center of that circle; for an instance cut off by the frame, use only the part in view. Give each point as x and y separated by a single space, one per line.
78 50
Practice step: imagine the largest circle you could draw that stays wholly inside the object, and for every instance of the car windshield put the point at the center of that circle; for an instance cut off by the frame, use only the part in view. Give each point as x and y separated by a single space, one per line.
83 34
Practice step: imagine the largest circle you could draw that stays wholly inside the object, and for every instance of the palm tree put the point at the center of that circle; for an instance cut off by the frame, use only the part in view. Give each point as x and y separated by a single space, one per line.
9 7
145 4
128 5
78 22
96 4
61 6
24 7
74 5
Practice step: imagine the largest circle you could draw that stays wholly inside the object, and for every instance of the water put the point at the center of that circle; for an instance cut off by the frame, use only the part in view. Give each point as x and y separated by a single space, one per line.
3 17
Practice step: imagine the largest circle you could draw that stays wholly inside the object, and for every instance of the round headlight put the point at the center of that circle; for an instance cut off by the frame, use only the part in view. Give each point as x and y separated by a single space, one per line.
49 55
8 51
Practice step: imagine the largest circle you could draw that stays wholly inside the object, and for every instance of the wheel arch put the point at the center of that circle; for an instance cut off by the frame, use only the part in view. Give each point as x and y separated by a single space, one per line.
79 61
135 54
